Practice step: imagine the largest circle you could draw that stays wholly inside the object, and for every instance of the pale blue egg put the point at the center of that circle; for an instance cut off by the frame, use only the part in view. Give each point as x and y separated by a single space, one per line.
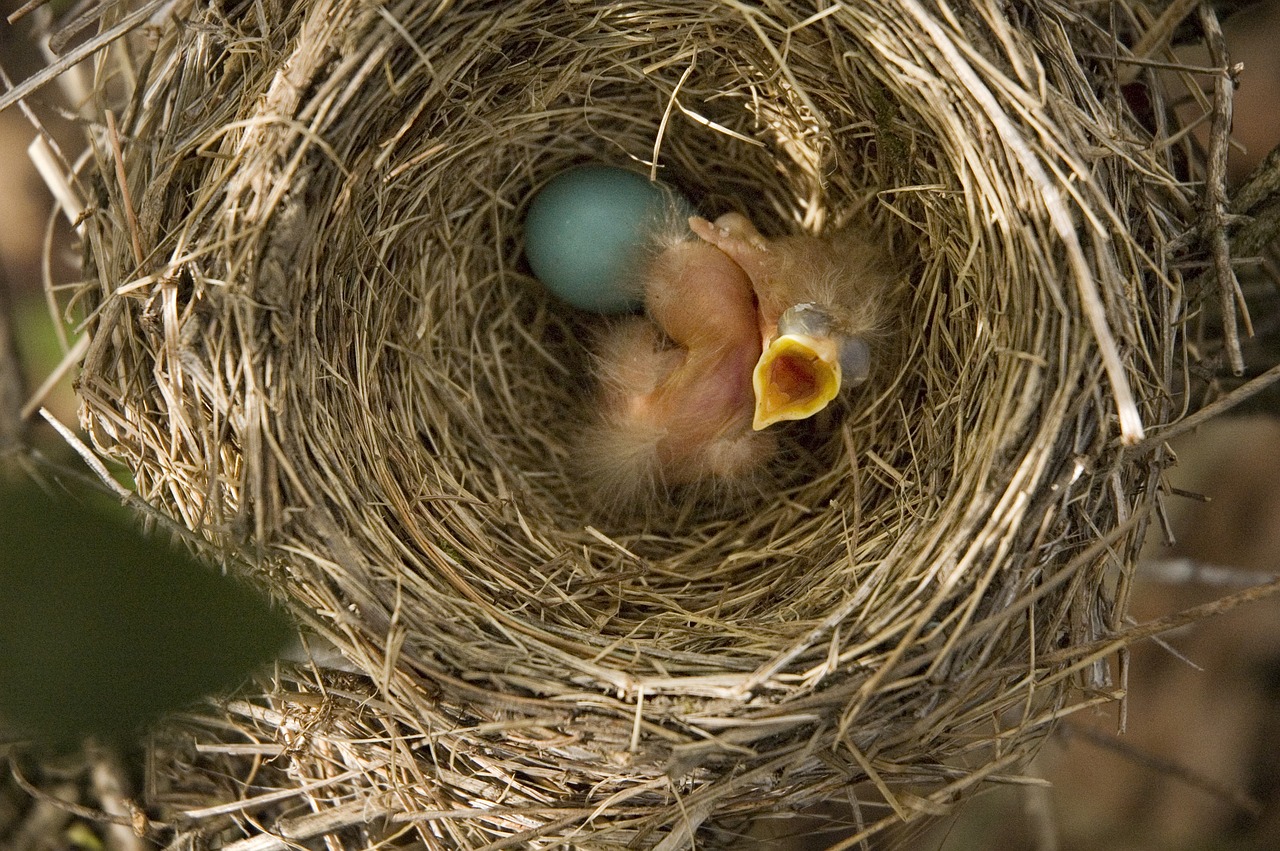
586 229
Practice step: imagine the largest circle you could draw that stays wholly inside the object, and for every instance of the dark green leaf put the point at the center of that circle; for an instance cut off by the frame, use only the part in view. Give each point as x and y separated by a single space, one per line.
103 630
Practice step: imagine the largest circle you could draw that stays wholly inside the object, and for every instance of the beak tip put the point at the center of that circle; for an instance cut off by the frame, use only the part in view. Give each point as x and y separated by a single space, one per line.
795 378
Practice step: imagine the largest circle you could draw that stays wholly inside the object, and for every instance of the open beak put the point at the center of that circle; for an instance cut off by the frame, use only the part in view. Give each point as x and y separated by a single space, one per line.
803 368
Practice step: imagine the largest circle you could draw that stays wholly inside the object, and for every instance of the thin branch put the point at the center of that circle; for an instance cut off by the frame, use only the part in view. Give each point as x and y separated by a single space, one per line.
24 10
1216 220
1158 35
81 52
1106 646
311 826
1208 412
87 813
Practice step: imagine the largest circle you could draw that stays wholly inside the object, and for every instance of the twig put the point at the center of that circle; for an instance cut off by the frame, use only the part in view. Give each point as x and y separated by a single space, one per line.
1158 35
24 10
86 813
1216 219
300 829
81 52
1255 213
1208 412
44 158
1106 646
73 440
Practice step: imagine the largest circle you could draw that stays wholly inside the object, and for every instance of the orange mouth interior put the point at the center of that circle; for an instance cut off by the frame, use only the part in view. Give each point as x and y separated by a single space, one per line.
792 381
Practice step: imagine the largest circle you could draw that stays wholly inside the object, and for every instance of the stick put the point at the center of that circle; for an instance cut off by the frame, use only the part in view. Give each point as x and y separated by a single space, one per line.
1215 214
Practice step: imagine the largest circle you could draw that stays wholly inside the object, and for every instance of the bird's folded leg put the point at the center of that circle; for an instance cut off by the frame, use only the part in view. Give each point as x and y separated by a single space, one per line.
736 236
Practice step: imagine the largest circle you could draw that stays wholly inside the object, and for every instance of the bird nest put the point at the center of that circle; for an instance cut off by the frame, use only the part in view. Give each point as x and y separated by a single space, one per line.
315 340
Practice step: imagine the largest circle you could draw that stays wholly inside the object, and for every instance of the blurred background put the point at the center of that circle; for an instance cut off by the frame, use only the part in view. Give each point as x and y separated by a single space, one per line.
1195 765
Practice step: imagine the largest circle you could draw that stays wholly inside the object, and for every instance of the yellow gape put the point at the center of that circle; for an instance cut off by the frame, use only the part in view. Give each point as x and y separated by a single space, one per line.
797 376
804 367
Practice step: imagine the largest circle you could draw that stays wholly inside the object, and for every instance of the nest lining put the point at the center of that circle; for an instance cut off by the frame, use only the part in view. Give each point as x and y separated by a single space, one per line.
319 344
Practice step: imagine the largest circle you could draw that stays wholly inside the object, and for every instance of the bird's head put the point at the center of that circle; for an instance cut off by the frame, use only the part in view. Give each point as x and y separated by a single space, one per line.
804 366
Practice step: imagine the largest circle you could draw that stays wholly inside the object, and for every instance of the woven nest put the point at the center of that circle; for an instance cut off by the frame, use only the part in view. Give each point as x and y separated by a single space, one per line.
315 340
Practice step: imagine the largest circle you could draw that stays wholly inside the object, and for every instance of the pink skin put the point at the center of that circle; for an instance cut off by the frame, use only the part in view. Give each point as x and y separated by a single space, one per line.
737 237
677 400
705 304
677 394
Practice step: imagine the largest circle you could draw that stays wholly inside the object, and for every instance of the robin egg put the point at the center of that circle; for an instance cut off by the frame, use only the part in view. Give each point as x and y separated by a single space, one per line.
587 229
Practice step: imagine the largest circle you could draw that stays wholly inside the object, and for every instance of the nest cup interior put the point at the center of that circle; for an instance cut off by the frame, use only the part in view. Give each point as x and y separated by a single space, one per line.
455 386
421 393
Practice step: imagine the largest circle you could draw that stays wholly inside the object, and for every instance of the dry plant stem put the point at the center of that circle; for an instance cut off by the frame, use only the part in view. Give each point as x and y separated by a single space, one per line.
1208 412
293 831
1217 221
1158 36
126 199
90 459
80 52
67 805
1181 772
243 806
24 10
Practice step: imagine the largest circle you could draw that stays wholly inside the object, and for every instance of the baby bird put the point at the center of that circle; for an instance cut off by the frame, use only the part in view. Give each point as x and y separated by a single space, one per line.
676 393
740 332
821 303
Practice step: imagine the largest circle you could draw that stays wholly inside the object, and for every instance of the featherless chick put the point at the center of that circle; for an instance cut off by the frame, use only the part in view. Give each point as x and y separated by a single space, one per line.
676 401
740 332
822 305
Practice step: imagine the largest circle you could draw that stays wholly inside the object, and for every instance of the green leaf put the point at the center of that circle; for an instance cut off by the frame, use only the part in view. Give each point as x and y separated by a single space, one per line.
103 630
